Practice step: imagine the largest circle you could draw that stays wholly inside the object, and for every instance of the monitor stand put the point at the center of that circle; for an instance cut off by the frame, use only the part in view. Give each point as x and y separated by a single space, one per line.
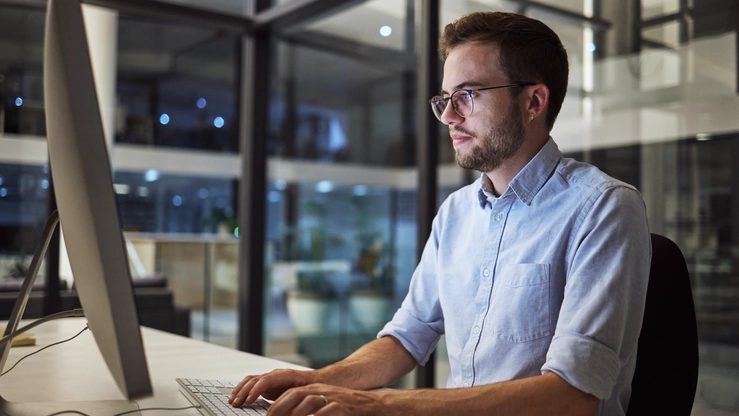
92 408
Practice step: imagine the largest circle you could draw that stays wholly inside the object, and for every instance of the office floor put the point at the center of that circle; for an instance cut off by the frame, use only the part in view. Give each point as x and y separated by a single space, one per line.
718 379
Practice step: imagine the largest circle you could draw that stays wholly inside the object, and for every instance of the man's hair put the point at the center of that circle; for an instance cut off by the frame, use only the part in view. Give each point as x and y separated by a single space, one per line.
529 50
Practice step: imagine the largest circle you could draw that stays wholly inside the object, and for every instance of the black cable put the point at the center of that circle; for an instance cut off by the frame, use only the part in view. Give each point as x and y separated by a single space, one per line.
48 346
129 411
77 411
63 314
157 408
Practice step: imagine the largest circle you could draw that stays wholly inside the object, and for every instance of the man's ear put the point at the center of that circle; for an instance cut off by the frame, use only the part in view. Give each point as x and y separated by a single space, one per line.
538 101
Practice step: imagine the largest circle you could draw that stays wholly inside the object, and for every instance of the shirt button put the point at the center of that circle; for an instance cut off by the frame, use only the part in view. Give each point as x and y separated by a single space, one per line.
499 217
476 330
486 272
466 384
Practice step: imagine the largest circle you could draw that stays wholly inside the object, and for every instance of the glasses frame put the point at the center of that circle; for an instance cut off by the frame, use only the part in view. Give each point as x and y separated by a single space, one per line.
436 99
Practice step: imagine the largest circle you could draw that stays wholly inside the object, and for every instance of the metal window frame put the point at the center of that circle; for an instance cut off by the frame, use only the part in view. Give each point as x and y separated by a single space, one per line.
427 144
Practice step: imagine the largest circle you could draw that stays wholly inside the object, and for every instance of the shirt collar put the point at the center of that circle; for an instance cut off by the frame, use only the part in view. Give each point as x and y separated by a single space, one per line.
527 183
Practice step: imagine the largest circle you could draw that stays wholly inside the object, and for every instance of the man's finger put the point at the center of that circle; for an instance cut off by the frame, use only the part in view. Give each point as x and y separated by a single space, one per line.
243 394
310 404
238 387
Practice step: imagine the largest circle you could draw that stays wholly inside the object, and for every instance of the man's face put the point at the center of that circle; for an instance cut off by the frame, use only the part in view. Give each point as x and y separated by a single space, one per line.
494 131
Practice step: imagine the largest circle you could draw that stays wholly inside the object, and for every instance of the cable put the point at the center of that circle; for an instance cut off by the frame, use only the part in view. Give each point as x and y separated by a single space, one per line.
128 412
156 408
48 346
63 314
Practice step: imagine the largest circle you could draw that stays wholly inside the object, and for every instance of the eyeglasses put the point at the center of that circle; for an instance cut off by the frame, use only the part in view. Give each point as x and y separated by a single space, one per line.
462 100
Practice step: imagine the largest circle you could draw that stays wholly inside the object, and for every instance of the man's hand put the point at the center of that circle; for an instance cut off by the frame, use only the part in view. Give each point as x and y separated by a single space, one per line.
270 385
326 400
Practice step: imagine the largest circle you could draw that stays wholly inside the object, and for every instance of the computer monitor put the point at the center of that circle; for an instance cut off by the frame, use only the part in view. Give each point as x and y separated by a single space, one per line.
88 212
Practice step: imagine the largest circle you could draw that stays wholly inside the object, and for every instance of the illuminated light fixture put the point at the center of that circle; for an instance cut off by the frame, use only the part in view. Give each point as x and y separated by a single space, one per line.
324 187
702 137
1 180
360 190
591 47
142 191
164 119
151 175
236 232
45 183
18 101
273 196
3 192
386 31
280 184
218 122
203 193
201 103
177 200
121 188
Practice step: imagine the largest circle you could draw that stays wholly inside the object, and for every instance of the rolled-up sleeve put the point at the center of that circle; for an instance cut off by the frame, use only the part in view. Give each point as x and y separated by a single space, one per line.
419 322
600 318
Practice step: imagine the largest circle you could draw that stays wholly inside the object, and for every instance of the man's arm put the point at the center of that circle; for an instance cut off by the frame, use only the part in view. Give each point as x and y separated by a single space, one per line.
543 395
547 394
377 364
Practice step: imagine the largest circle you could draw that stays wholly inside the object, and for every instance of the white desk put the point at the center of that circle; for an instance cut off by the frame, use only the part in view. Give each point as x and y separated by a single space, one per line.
75 371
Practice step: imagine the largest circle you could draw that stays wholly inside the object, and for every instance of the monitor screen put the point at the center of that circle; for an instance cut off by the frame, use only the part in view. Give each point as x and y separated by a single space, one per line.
88 212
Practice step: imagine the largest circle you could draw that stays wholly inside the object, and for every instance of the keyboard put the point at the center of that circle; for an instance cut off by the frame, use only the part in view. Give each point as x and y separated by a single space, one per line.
212 397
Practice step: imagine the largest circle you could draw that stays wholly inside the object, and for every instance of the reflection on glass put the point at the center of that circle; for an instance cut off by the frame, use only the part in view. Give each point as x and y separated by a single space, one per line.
23 210
183 229
21 86
655 8
329 107
155 203
332 267
379 23
340 249
176 86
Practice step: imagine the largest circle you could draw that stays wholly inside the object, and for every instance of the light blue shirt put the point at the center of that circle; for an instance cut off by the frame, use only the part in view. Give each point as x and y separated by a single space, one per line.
550 276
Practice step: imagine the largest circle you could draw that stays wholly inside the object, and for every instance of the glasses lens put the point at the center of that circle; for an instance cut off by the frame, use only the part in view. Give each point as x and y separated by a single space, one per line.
462 101
438 105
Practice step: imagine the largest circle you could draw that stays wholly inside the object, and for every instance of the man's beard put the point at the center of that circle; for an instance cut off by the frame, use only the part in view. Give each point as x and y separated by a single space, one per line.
498 144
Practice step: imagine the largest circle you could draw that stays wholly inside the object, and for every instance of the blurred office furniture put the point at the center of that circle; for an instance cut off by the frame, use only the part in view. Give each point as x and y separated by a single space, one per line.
154 303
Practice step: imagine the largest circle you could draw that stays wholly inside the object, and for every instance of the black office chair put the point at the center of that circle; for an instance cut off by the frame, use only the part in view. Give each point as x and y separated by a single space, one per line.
666 373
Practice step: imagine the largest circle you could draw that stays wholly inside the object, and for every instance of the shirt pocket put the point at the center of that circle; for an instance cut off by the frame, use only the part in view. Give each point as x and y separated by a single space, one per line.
520 308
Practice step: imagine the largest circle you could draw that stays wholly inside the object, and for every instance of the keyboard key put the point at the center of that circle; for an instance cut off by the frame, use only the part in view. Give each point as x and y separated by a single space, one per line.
206 394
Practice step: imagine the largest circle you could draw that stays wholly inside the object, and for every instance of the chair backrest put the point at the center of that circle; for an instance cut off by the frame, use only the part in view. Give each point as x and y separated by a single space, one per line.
666 373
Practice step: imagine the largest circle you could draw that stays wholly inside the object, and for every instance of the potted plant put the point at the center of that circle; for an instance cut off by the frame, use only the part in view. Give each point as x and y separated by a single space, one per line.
309 302
310 298
371 298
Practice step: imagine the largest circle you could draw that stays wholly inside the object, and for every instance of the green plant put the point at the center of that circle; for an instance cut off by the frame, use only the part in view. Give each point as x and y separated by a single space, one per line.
373 252
312 281
221 216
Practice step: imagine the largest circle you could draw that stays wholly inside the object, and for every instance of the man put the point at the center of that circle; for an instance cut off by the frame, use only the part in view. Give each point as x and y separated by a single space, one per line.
537 272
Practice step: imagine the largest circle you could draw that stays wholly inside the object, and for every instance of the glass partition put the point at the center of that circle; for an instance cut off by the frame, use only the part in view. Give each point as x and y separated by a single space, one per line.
177 86
24 176
23 198
21 86
339 221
